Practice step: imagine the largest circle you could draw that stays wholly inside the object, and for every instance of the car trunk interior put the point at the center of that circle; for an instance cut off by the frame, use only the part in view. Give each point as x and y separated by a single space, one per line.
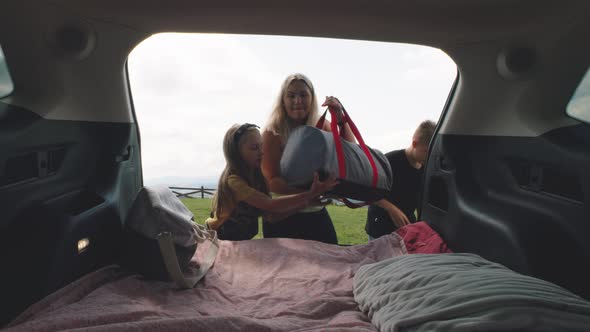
507 175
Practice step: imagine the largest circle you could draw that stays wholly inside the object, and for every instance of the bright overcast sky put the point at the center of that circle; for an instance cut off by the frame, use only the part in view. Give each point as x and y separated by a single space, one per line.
188 89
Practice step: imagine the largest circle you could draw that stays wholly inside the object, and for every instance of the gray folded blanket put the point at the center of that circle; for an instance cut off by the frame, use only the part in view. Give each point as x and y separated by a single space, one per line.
463 292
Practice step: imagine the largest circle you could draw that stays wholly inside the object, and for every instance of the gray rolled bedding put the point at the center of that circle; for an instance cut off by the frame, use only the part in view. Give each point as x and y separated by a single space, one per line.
463 292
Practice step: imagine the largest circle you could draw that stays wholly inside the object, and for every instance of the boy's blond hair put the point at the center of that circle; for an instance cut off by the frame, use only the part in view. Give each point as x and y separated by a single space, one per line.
424 132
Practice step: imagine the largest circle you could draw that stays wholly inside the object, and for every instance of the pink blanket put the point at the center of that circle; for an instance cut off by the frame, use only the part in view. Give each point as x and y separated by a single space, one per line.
419 238
258 285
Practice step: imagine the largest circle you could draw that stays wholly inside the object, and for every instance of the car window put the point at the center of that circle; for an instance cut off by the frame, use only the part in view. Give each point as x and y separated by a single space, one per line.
579 105
6 85
188 89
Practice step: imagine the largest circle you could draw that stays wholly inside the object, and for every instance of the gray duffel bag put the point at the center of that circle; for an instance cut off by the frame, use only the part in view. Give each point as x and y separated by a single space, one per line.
310 149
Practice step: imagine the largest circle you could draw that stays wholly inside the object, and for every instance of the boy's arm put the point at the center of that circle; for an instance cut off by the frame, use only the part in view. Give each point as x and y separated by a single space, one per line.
395 214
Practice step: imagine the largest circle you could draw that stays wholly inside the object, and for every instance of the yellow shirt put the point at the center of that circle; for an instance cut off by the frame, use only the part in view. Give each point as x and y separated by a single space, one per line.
241 191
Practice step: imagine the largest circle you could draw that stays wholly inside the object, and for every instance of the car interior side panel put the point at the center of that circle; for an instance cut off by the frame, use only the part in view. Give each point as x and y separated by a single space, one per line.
514 200
62 182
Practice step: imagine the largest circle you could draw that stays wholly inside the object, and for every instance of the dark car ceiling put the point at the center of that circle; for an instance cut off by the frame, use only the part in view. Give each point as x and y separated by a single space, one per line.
430 22
473 33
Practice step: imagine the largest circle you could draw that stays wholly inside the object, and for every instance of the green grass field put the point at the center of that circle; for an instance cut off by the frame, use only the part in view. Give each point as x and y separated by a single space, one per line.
349 223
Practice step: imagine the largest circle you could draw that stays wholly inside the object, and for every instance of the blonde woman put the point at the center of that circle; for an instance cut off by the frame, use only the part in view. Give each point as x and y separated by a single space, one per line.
296 105
242 193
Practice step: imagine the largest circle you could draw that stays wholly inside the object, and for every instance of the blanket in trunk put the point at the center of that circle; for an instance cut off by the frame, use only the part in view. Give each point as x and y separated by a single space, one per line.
256 285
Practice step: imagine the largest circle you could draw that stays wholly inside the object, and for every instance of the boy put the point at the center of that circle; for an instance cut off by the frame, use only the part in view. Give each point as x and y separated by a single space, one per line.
397 209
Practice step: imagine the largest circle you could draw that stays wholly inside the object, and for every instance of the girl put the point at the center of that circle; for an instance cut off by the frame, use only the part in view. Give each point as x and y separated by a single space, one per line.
242 193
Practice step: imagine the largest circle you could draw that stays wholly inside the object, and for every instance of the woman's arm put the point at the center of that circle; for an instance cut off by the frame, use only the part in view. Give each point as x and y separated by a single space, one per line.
334 104
271 168
347 135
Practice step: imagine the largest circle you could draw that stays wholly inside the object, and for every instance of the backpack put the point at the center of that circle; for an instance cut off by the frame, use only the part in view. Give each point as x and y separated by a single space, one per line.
160 239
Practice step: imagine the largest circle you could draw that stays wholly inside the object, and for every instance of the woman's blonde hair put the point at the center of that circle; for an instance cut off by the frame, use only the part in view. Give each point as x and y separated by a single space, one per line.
235 165
279 122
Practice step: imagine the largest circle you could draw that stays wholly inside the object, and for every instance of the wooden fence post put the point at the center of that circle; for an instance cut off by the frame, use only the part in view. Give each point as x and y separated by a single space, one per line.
192 191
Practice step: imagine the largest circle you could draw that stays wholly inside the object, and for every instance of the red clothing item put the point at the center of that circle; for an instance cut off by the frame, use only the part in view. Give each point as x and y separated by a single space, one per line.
419 238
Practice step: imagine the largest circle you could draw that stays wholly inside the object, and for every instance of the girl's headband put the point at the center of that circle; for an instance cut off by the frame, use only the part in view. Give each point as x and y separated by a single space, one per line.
243 128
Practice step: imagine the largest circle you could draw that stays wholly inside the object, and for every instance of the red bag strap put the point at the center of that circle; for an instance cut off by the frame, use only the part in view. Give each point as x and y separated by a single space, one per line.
359 137
320 123
338 142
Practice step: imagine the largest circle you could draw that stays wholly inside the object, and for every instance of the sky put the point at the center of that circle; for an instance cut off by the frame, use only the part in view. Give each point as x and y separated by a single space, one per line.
188 89
579 105
6 85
